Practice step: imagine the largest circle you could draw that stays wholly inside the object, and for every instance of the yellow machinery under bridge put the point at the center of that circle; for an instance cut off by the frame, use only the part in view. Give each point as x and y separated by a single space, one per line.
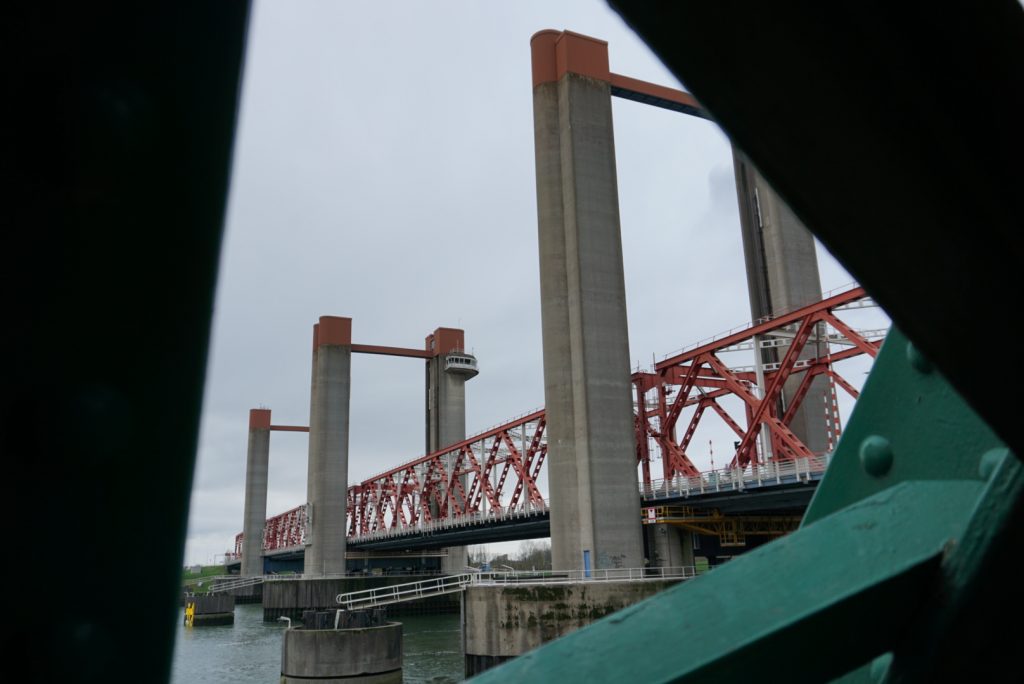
731 530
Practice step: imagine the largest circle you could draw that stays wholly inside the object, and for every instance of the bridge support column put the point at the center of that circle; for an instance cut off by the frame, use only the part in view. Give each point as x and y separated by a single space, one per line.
670 547
782 275
447 373
312 408
328 448
256 464
595 504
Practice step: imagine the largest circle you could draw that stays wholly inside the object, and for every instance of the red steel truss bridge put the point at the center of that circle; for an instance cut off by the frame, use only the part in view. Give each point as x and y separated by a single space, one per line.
490 487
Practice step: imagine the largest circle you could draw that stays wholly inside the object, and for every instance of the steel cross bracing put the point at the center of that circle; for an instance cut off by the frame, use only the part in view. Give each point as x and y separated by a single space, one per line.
283 531
494 475
486 475
698 379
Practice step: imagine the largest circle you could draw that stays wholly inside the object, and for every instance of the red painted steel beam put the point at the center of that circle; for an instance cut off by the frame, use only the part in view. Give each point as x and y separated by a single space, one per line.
841 381
774 390
402 496
458 445
763 328
869 348
655 95
391 351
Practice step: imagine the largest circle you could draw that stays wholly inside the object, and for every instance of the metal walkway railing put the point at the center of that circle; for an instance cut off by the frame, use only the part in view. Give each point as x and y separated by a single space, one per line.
231 585
206 579
800 470
409 591
451 584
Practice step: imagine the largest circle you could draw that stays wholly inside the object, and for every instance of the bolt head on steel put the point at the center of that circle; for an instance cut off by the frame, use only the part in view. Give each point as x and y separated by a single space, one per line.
876 455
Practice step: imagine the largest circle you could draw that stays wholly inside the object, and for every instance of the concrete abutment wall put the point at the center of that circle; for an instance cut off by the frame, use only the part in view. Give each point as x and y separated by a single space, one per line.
502 622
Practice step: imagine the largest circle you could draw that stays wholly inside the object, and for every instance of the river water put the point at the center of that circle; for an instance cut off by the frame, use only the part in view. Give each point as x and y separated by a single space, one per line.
250 650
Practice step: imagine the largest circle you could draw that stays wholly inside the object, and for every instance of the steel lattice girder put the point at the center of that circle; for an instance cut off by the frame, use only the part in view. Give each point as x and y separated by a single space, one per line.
427 489
698 377
403 496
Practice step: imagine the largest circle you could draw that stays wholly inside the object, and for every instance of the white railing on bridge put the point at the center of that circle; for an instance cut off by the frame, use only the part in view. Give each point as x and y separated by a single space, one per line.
602 575
454 522
722 480
738 479
451 584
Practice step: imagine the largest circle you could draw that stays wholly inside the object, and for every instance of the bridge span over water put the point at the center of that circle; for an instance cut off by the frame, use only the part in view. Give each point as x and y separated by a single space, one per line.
777 491
490 487
780 403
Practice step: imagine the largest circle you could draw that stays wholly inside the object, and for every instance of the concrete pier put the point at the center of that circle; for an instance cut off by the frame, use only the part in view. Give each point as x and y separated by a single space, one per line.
328 448
256 465
782 275
370 655
292 597
448 370
502 622
209 610
591 456
669 546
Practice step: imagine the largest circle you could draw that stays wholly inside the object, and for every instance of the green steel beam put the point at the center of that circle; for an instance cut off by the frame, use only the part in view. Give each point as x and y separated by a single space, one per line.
913 426
807 605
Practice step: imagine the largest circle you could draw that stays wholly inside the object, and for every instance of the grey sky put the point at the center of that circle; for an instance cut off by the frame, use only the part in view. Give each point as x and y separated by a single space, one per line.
384 171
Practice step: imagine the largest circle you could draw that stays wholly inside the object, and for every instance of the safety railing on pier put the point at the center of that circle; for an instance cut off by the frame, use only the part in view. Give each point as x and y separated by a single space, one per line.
738 479
396 593
236 583
451 584
197 582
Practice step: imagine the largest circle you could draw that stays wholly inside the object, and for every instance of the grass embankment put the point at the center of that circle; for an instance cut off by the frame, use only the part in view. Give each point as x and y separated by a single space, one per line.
190 580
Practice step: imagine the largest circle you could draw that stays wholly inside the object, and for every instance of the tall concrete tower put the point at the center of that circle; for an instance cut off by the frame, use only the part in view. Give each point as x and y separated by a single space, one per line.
595 503
328 447
256 467
448 369
782 275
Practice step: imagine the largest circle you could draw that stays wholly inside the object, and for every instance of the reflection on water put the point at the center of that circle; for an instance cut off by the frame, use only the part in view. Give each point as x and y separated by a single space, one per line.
250 650
433 649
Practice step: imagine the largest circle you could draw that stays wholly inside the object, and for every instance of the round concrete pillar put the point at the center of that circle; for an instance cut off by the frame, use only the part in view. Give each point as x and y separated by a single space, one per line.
367 655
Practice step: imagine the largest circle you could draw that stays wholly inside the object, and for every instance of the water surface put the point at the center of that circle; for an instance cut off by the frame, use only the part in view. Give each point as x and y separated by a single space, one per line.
250 650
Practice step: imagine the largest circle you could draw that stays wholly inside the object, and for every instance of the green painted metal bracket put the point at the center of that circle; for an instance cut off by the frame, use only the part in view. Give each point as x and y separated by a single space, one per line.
908 425
892 549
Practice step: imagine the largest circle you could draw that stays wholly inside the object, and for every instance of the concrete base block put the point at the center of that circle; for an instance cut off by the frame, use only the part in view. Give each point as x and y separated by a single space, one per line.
475 664
389 678
213 609
502 622
371 654
213 619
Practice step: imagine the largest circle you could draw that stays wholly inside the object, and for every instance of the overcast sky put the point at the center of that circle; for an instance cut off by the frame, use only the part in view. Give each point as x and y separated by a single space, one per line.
384 170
